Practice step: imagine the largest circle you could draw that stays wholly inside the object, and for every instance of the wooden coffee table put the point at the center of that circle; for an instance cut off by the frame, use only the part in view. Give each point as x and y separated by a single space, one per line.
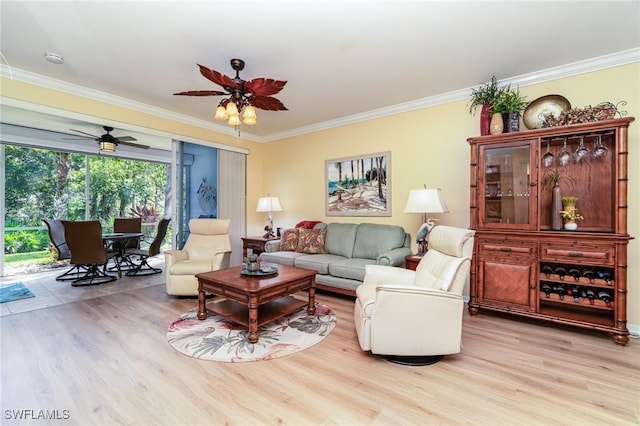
255 300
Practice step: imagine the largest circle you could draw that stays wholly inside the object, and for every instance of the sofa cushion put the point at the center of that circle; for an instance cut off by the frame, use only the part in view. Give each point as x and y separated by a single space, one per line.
286 258
340 238
311 241
289 240
373 239
316 262
353 269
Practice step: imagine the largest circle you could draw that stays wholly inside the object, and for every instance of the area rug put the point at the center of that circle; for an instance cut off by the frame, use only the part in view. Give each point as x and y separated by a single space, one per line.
218 339
14 291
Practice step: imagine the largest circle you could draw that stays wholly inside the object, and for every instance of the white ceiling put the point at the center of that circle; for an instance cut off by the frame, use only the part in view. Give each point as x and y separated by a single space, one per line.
341 58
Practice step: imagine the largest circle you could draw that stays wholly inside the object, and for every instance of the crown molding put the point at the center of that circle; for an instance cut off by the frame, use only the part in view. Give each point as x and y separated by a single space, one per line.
581 67
96 95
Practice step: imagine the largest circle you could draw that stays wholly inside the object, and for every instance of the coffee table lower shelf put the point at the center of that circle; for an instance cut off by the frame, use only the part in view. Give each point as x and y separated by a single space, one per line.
270 311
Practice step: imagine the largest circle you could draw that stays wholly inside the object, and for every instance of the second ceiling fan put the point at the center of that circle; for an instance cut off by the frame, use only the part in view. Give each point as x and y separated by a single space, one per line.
108 142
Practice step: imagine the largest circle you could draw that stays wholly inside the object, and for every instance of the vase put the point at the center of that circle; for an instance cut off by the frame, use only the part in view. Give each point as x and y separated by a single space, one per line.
556 207
511 122
485 119
570 226
497 125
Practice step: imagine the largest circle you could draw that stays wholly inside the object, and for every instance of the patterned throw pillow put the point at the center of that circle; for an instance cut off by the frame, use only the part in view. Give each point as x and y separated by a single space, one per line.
311 240
289 240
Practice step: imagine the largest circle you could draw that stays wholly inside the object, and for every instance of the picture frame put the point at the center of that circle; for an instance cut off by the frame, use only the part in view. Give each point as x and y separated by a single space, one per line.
353 188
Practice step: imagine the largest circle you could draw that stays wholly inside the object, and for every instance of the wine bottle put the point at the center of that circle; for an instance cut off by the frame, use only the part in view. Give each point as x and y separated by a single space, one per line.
575 273
547 270
591 295
606 276
561 271
547 289
589 274
605 297
560 291
575 292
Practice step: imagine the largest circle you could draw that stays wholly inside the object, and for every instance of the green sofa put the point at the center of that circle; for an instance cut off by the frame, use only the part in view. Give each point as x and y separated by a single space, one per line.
348 248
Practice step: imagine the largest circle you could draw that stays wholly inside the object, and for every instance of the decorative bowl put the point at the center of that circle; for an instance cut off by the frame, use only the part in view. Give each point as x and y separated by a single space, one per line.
533 116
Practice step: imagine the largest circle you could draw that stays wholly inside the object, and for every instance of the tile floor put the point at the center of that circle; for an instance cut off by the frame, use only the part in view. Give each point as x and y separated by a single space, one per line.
50 292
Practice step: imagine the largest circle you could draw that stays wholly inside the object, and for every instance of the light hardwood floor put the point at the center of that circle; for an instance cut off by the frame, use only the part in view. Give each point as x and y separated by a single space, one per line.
104 358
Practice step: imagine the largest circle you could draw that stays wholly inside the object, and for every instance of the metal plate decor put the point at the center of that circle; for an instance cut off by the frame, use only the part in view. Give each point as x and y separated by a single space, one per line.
533 116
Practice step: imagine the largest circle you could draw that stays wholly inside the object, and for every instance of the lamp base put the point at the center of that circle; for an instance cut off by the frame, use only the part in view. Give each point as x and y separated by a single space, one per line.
422 248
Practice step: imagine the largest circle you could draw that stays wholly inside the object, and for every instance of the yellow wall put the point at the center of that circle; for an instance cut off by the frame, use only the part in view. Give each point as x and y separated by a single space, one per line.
427 147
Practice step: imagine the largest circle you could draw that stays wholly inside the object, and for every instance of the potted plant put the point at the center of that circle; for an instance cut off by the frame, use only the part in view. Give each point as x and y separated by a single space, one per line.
484 96
570 213
510 103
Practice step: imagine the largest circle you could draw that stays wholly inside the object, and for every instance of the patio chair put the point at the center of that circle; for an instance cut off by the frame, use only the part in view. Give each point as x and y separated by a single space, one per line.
84 239
56 235
143 268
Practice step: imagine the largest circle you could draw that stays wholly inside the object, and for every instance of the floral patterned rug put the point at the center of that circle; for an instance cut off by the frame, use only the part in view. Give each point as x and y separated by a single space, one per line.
218 339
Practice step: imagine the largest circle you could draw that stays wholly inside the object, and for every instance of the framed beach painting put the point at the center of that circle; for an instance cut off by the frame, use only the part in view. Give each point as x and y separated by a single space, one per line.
359 185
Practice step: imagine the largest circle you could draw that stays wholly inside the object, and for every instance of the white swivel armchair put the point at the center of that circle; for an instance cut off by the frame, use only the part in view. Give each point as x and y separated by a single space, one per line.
415 317
208 248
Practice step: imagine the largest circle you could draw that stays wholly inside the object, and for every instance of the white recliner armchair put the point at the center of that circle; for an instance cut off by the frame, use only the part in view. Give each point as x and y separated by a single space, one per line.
415 317
208 248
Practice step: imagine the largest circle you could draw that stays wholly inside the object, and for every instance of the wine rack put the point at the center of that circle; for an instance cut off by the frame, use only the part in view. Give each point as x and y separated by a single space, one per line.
587 287
522 264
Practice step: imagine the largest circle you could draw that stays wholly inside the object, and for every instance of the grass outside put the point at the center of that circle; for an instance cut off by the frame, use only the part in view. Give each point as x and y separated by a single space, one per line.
34 257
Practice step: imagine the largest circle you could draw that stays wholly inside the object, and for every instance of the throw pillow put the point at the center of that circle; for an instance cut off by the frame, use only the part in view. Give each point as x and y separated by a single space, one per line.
289 240
311 241
309 224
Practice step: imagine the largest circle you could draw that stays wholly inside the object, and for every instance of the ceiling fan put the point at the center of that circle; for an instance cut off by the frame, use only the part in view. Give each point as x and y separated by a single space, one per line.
243 95
108 142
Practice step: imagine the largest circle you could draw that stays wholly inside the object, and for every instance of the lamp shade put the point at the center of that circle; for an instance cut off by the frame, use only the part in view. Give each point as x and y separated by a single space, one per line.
269 204
107 146
426 201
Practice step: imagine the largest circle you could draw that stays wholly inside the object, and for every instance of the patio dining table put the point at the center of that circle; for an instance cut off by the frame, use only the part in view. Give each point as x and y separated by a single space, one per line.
117 242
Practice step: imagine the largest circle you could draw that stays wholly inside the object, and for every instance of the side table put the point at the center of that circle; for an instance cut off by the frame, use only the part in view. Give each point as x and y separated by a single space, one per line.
411 261
256 244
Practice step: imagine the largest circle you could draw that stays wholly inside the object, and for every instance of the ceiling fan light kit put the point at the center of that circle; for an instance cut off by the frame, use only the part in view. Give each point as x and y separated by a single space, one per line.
107 146
243 96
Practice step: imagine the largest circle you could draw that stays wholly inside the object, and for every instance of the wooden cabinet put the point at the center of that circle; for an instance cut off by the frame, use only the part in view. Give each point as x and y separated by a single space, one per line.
523 266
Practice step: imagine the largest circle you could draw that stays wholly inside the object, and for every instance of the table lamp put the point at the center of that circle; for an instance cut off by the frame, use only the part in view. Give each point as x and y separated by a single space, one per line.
425 201
269 204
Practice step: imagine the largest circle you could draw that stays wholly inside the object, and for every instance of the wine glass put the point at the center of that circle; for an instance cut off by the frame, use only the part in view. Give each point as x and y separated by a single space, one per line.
582 151
547 159
564 157
600 150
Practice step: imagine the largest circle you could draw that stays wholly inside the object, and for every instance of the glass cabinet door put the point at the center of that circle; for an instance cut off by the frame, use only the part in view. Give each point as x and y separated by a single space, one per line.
506 185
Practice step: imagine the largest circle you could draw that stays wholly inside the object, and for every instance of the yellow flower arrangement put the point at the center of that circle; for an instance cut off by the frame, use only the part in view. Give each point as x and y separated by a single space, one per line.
571 215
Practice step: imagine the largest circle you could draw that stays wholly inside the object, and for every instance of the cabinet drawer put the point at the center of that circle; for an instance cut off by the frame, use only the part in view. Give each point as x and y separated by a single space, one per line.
603 255
507 247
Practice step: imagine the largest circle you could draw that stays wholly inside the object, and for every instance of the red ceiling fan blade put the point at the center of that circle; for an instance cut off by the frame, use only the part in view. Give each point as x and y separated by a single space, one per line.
217 77
267 103
264 86
201 93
